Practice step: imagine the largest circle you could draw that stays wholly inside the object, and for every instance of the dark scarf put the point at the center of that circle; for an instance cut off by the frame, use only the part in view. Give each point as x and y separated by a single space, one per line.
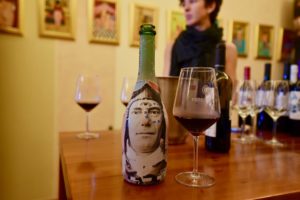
195 48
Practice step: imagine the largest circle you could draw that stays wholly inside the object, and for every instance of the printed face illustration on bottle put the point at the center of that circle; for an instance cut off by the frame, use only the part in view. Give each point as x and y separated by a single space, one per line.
144 153
144 121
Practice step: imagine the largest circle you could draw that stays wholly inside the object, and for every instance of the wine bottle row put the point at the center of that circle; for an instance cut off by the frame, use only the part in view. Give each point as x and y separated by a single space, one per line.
290 121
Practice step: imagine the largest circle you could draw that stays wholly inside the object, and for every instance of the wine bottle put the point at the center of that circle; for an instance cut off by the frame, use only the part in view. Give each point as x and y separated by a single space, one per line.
217 137
294 101
264 121
247 76
283 121
144 137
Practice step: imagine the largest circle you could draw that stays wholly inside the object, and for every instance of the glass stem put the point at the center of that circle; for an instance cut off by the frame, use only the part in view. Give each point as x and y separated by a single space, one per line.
243 127
254 125
87 123
274 129
195 162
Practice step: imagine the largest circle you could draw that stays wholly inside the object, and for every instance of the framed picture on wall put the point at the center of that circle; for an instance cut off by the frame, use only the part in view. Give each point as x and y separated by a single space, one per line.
264 39
239 36
286 44
141 14
104 21
176 24
57 18
11 16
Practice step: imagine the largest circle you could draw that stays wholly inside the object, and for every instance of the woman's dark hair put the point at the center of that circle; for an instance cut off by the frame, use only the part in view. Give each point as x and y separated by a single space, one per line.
214 13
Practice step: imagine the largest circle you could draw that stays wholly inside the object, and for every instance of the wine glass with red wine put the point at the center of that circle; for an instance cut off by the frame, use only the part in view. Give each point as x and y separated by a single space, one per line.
88 97
127 89
196 107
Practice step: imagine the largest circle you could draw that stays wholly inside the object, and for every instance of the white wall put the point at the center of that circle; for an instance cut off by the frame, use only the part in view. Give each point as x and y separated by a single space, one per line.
28 131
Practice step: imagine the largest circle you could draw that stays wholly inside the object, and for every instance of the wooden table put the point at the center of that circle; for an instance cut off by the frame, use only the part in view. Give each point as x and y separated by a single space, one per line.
92 170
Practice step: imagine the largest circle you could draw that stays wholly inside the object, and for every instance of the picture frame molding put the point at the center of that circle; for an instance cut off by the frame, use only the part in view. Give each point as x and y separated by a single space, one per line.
280 43
55 34
257 31
247 36
94 39
16 31
132 26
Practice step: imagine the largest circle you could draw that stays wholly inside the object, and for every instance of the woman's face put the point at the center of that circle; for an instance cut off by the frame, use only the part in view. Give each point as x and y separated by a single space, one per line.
144 121
196 12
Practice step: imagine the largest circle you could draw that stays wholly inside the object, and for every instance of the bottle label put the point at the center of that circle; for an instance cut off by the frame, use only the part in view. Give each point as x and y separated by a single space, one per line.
268 98
209 93
259 100
245 98
144 138
282 101
211 131
294 105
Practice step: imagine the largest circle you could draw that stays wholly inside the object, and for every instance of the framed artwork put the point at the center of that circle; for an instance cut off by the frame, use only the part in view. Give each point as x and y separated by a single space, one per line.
176 24
57 18
141 14
286 44
239 36
11 16
264 39
104 21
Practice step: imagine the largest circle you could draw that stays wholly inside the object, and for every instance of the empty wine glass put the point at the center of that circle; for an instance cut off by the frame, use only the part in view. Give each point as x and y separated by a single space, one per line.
245 95
196 107
127 89
88 96
257 107
276 95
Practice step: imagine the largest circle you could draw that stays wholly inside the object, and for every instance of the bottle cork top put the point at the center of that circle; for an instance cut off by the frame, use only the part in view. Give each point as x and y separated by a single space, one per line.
247 73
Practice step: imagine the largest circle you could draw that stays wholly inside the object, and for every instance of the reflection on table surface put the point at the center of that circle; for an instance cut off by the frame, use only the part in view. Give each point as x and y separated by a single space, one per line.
92 170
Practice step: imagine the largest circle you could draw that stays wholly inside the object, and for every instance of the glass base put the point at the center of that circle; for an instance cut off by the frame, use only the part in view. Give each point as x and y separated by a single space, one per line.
254 138
275 143
243 140
88 136
195 179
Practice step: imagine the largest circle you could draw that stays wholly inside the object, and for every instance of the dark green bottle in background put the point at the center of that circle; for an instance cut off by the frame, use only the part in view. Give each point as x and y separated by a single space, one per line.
217 137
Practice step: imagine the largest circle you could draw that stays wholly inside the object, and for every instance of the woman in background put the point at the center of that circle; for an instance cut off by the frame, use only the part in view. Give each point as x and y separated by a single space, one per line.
196 45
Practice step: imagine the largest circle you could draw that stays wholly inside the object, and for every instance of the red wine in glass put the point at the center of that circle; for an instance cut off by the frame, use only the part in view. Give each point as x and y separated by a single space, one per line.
196 125
87 106
88 96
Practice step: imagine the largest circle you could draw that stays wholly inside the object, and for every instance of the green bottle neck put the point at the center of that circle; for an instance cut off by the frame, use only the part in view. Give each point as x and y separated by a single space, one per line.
147 58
